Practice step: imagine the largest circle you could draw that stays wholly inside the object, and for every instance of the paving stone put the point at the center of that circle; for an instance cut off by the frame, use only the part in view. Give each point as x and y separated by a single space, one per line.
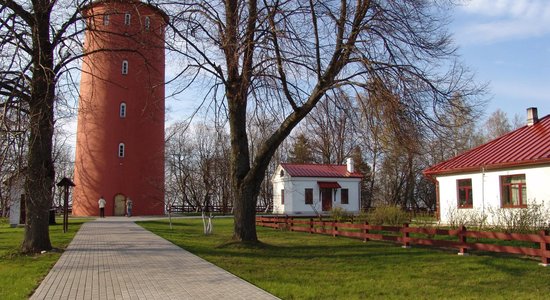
113 258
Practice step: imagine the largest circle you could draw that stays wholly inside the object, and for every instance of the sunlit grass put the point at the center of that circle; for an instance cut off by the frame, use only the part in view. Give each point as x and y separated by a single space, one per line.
20 274
295 265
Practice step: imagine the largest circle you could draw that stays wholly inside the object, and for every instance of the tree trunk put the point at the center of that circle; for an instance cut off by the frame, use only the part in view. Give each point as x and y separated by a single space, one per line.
40 174
245 214
245 193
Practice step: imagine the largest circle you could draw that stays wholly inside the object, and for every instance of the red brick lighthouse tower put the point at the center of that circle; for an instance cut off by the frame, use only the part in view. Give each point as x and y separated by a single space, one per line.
120 135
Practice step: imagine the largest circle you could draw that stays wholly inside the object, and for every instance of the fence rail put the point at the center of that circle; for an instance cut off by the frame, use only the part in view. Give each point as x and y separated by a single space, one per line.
421 236
211 208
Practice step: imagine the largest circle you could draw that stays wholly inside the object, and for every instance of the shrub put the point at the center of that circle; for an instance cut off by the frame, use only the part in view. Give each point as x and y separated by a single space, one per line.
339 214
469 218
388 215
521 220
361 217
425 220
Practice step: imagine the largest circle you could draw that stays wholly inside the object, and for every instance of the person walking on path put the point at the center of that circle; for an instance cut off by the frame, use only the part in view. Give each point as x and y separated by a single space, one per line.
129 205
101 204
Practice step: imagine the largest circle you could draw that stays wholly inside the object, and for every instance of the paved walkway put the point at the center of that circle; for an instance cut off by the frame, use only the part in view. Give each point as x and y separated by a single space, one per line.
113 258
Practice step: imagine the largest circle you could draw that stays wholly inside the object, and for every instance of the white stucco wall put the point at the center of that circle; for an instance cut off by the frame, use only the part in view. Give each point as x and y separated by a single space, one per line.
486 191
15 193
294 189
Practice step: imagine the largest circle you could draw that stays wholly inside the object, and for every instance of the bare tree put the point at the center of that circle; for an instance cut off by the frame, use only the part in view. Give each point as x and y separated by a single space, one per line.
286 56
13 142
197 167
496 125
331 127
40 37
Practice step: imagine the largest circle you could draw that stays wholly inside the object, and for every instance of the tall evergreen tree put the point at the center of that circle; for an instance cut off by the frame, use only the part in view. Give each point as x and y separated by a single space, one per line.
301 153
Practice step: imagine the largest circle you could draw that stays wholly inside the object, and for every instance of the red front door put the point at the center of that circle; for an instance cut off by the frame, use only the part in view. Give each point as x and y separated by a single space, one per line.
326 196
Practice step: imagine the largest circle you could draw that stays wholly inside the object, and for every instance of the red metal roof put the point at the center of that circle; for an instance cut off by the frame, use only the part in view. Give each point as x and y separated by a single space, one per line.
329 184
315 170
528 145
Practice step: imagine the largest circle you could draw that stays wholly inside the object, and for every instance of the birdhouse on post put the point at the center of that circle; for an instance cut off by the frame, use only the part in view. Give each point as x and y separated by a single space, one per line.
65 183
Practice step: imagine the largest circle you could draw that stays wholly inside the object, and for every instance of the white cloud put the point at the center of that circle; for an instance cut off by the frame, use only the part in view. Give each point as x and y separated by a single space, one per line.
489 21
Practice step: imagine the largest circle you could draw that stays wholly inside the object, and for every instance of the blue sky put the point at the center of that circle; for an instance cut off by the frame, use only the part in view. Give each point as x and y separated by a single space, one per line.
507 44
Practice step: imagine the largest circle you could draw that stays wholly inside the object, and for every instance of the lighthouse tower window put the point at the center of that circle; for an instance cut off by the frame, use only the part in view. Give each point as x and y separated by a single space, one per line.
122 111
121 150
105 19
147 23
124 67
127 18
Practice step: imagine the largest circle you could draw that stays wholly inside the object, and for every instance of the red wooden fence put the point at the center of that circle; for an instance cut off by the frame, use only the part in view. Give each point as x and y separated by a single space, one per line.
401 234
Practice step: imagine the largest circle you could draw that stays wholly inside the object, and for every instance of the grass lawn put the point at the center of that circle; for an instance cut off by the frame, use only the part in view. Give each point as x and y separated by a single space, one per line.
294 265
20 274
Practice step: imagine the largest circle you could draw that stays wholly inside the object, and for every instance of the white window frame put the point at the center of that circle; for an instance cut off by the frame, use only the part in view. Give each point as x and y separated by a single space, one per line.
122 110
121 150
147 23
106 20
127 19
124 67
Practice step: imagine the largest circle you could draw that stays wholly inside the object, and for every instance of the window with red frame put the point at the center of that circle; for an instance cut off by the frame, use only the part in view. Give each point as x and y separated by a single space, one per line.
464 193
282 196
309 196
513 191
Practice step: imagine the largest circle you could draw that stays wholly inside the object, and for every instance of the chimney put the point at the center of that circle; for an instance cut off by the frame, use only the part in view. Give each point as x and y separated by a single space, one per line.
532 116
351 167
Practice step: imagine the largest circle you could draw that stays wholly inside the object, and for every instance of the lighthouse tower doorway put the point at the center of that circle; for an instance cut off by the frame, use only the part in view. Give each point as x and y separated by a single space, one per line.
120 205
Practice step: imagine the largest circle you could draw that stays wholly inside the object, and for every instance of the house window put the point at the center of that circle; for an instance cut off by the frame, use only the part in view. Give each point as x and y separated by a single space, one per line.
147 23
309 196
124 67
513 191
122 111
282 196
127 18
121 150
345 196
282 174
105 20
464 193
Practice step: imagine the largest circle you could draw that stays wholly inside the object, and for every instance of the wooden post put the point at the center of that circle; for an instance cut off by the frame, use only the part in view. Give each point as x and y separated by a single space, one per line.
544 248
291 223
365 232
311 225
406 243
462 239
66 210
65 183
334 229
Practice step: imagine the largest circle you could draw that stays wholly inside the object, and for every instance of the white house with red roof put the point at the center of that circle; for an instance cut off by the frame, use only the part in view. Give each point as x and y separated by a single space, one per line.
510 172
316 189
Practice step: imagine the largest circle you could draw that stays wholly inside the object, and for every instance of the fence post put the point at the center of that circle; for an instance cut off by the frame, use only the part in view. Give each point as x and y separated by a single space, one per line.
405 237
544 248
311 225
463 250
334 229
365 231
291 224
288 222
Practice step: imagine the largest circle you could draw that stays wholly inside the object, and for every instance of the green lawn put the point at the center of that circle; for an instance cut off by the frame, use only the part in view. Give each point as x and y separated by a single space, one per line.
20 274
295 265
